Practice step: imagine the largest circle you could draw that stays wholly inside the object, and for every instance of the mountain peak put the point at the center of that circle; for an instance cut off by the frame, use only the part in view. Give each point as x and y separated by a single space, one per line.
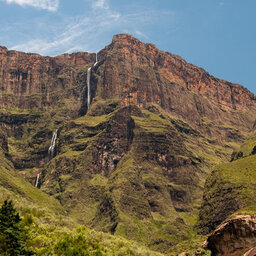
124 36
128 39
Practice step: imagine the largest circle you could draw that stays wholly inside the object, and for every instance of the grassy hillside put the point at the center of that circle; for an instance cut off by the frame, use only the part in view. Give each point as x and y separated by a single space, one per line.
133 172
147 187
230 189
49 226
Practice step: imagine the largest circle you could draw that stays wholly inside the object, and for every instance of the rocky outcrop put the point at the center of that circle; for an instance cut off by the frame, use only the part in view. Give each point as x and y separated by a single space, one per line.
31 81
125 66
236 236
136 55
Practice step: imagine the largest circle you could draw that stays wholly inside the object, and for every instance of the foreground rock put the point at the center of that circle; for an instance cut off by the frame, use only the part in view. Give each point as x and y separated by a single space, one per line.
236 236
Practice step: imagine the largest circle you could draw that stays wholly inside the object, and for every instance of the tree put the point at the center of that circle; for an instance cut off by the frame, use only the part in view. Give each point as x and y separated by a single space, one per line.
78 244
12 240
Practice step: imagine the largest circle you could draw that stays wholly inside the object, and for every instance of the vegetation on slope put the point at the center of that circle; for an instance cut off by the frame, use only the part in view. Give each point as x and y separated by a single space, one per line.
140 177
230 189
107 179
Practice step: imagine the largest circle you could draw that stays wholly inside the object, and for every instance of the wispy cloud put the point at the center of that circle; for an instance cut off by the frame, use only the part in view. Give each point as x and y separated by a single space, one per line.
102 4
49 5
139 33
89 33
60 41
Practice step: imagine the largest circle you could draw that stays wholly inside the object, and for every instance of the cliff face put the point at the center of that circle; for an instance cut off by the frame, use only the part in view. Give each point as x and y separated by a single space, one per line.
31 81
138 170
154 76
133 55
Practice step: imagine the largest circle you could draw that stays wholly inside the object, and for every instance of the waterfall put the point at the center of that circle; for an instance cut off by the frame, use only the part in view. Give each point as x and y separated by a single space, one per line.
88 87
37 179
88 82
96 60
52 147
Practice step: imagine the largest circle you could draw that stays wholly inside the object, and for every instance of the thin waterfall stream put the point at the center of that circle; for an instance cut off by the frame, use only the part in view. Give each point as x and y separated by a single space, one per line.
51 152
88 87
51 149
96 60
88 82
37 180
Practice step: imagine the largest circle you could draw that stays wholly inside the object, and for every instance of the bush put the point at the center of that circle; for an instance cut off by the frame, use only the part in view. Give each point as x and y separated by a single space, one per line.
13 238
78 245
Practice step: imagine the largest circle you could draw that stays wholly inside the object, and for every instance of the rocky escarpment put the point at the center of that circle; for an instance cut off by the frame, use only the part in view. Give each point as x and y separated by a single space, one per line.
154 76
31 81
236 236
131 52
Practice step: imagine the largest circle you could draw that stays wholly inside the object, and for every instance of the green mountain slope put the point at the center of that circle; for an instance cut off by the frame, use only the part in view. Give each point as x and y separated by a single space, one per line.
46 221
230 189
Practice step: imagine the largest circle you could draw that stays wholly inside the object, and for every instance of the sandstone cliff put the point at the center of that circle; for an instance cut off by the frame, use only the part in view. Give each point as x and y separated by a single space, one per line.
154 76
31 81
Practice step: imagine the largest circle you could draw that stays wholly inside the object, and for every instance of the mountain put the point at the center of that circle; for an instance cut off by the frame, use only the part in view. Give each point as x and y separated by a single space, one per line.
138 132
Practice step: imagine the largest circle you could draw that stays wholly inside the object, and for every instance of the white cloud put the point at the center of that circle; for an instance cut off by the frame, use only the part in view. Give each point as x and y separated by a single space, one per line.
88 33
139 33
61 41
50 5
100 4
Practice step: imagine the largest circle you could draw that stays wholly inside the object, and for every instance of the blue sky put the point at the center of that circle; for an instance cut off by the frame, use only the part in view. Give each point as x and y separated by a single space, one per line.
218 35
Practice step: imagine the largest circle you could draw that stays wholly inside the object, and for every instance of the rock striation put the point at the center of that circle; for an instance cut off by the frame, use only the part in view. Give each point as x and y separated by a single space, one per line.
236 236
154 76
31 81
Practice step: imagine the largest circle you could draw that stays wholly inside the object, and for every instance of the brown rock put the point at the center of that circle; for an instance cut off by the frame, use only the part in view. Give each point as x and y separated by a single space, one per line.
31 81
234 237
154 76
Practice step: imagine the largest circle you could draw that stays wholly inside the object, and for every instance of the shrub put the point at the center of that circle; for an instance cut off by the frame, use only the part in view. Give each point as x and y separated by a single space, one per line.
13 238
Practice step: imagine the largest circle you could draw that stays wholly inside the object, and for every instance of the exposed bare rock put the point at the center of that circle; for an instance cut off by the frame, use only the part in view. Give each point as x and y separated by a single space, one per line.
236 236
31 81
189 92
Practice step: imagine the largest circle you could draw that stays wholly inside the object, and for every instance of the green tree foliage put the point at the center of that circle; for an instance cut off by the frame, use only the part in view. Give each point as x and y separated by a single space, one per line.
78 245
12 234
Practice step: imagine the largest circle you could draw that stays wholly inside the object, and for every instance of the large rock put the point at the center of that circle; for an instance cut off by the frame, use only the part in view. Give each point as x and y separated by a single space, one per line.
236 236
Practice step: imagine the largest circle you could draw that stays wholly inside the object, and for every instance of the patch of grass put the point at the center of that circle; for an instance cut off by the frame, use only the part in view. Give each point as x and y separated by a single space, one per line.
98 180
19 111
230 189
247 147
